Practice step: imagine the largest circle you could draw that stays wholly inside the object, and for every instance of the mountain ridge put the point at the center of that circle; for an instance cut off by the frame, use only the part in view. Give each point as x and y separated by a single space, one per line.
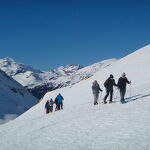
14 98
39 82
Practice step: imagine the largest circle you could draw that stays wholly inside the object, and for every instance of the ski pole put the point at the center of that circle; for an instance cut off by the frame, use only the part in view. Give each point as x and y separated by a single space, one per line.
130 90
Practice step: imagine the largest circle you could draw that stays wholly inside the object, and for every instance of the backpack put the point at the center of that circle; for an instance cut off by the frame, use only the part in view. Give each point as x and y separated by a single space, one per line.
106 83
51 103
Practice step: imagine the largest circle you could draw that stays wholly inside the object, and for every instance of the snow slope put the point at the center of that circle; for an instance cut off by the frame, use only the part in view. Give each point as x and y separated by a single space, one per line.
14 98
39 82
83 126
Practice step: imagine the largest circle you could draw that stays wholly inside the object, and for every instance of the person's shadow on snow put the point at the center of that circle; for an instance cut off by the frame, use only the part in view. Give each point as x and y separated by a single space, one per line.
136 97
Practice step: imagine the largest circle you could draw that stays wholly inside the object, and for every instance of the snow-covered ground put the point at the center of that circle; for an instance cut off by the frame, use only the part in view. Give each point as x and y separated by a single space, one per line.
83 126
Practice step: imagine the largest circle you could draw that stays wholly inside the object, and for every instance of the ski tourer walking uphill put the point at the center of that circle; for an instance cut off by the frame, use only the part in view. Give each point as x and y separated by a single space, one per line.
109 83
96 88
59 99
47 107
51 103
56 102
122 86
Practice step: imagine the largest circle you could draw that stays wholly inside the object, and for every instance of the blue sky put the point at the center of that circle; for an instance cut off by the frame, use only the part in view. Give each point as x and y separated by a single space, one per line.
49 33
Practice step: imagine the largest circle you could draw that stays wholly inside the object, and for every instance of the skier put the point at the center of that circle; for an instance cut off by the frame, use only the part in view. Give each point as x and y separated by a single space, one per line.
96 88
56 102
122 86
60 99
109 83
47 106
51 103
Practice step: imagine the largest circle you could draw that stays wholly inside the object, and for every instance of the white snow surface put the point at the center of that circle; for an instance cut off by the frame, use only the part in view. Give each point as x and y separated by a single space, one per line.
83 126
14 98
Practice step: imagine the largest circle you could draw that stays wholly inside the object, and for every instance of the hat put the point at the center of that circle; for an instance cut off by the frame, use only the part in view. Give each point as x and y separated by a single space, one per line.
111 76
95 81
123 74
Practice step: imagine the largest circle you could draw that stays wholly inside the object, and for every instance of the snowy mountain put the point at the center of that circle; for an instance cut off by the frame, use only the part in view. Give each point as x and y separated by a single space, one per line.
83 126
39 82
14 98
89 71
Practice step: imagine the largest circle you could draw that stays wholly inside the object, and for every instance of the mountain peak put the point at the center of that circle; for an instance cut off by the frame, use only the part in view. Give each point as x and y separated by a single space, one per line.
8 59
7 62
11 67
70 67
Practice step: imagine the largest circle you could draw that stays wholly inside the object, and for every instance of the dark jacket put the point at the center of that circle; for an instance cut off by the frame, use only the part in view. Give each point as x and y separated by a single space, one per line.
96 88
47 105
122 83
56 101
109 83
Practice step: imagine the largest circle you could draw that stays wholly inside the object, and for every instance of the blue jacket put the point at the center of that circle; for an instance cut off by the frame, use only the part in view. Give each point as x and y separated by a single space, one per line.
59 98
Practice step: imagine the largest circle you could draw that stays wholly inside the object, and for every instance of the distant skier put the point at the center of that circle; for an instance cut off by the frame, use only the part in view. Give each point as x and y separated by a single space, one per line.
56 102
96 88
47 107
59 99
109 83
51 103
122 86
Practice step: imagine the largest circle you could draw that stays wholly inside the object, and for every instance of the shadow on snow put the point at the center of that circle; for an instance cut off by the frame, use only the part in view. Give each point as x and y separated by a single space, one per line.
136 97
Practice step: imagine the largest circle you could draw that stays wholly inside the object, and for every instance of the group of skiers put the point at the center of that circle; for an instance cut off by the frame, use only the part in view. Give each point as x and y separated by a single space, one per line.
109 83
58 102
